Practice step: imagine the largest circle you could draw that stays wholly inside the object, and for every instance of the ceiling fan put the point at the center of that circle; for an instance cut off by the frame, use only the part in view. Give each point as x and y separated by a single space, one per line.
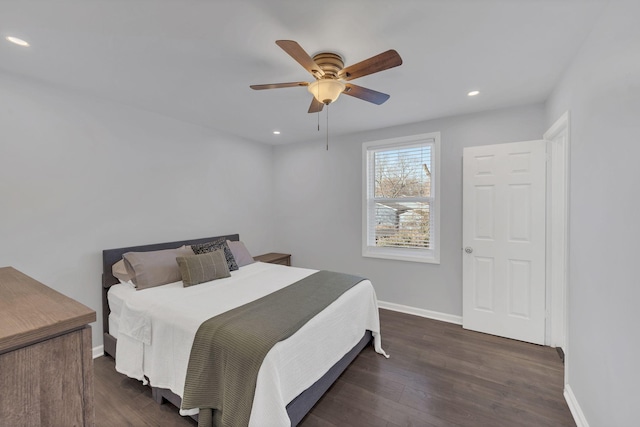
331 76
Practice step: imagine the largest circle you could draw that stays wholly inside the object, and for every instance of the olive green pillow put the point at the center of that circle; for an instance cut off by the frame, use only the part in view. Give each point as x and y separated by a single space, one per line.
202 268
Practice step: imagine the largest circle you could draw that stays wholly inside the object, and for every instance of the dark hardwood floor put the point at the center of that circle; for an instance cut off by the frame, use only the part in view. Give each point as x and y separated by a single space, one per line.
438 375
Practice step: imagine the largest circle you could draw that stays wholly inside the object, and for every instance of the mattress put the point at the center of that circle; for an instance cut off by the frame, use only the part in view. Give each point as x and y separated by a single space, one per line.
156 328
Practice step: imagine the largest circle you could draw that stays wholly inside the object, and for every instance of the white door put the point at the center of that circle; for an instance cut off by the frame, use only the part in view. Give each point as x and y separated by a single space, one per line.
503 236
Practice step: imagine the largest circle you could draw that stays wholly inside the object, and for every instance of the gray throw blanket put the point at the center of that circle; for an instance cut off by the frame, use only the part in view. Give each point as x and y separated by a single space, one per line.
228 349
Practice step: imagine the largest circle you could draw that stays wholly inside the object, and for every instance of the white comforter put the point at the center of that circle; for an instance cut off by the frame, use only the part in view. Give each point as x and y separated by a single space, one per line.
157 327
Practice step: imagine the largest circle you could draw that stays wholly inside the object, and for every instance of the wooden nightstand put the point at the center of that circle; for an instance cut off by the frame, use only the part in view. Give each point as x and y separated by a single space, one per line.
274 258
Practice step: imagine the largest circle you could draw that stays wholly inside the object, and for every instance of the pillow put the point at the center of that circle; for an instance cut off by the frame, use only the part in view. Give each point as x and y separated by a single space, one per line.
201 268
154 268
119 271
240 253
221 243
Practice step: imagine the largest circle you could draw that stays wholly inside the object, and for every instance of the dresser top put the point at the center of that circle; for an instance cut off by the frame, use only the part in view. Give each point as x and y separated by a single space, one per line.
31 312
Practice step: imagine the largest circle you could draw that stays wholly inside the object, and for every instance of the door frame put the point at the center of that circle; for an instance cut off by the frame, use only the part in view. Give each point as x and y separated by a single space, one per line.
557 246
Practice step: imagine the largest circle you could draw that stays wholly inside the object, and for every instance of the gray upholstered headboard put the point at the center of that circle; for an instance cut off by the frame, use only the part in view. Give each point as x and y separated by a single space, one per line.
111 256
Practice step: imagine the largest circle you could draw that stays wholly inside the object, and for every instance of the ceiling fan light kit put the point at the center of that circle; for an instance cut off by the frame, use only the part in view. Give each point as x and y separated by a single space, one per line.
326 90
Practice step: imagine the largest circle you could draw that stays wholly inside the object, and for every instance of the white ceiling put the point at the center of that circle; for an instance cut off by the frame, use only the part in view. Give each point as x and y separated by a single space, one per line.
195 59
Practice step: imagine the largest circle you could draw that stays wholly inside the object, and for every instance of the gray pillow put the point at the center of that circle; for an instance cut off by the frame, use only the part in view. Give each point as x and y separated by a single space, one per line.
202 268
154 268
221 243
240 253
119 271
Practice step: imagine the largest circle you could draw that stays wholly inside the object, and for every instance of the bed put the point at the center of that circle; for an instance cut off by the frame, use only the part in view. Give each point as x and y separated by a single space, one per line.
294 374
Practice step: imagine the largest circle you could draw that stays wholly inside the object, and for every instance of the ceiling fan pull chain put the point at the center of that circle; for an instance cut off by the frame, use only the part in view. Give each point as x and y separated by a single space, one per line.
327 127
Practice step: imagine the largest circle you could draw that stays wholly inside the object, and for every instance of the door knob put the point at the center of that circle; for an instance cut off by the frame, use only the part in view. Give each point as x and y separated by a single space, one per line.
468 249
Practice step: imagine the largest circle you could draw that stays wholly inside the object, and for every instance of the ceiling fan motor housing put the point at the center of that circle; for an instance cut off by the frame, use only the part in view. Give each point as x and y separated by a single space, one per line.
331 63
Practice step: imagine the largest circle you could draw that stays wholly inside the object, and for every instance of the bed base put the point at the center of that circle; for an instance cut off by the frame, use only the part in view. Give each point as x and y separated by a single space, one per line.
301 405
297 408
109 345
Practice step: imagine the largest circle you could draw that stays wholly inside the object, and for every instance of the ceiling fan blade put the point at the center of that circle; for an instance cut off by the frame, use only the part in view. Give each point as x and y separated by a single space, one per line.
365 94
278 85
380 62
298 53
315 106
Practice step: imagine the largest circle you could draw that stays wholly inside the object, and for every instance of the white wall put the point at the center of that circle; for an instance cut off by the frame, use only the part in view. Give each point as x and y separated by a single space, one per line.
78 176
601 90
318 205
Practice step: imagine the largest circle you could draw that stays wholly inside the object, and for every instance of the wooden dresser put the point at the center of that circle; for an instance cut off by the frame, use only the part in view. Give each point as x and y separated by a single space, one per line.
46 365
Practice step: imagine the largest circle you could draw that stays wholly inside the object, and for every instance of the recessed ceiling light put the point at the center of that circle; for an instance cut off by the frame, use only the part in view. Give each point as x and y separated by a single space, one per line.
17 41
276 132
473 93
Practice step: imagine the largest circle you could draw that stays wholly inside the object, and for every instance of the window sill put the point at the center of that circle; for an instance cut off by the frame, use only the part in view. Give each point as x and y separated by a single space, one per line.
411 255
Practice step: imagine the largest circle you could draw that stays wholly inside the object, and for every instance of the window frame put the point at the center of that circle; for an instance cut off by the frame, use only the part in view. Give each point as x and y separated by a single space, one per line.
431 255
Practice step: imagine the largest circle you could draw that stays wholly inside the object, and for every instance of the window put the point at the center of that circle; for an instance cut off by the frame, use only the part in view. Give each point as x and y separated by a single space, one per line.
401 198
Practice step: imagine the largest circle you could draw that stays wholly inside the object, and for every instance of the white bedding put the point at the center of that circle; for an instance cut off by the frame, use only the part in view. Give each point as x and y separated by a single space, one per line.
156 328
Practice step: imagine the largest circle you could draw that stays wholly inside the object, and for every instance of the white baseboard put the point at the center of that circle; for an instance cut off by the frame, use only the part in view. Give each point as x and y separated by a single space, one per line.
574 407
449 318
98 351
